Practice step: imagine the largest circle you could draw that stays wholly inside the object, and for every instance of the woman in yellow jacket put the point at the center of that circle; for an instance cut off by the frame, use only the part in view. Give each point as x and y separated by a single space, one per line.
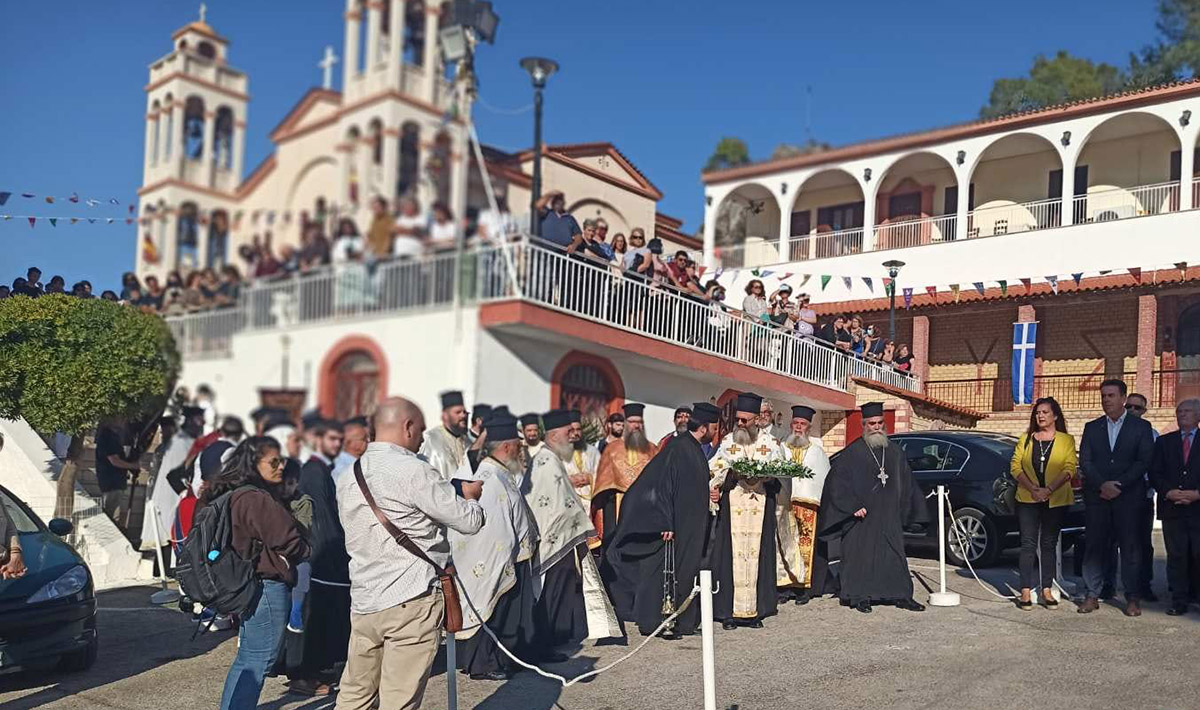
1043 464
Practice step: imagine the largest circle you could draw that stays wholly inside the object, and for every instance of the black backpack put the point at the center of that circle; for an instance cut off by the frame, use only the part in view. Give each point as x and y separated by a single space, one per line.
209 570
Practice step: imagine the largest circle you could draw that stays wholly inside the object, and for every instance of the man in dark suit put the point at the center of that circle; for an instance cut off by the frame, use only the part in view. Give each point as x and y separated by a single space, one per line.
1114 456
1175 474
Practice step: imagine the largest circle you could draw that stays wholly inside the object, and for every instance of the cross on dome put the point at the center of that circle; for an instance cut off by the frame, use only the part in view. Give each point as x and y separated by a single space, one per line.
203 11
327 63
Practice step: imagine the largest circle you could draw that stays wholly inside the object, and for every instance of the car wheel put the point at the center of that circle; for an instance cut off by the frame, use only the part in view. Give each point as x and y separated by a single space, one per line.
976 540
82 659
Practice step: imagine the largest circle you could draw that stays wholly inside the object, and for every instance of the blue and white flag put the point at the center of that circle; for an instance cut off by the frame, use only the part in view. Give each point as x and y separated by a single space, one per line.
1024 344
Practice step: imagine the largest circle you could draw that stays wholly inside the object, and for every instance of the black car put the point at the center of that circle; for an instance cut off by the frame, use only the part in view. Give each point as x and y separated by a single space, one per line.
48 616
969 464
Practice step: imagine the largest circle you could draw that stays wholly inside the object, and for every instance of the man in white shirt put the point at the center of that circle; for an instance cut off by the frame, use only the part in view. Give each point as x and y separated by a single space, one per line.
396 602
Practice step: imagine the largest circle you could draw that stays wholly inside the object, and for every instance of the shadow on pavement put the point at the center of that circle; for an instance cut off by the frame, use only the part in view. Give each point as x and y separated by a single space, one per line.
126 622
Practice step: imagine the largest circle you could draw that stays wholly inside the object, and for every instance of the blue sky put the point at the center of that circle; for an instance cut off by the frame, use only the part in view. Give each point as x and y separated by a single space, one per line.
662 80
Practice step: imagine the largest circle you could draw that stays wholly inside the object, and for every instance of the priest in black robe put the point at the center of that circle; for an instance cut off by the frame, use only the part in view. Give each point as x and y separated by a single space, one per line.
871 497
665 509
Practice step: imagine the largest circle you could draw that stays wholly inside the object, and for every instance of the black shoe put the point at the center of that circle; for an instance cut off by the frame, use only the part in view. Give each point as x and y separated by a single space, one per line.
1177 610
864 607
756 624
491 675
728 625
910 605
1024 605
803 599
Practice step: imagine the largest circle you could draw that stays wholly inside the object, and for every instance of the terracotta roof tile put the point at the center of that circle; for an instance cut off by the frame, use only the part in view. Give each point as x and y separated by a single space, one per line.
919 397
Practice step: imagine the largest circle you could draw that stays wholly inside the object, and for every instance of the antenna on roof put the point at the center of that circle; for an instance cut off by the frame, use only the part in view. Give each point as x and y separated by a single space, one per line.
808 113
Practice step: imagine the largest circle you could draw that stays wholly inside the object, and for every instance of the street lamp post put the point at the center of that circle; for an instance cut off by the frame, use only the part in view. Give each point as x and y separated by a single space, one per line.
893 267
539 69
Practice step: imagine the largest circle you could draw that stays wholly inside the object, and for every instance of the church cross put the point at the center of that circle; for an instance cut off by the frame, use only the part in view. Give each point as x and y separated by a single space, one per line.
734 449
763 450
203 11
327 63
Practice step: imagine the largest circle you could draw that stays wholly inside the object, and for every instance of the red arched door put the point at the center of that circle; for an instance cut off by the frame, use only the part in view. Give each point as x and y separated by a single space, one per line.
586 388
355 385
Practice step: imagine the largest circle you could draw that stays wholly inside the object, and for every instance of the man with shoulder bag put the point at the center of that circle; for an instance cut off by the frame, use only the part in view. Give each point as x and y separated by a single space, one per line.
394 506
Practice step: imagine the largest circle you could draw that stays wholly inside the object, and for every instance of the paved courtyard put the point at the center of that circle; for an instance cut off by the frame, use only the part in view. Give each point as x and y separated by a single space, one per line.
983 654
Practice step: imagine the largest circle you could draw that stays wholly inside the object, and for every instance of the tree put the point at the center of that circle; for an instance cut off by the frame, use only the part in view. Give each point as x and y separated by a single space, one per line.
808 147
1053 81
70 363
729 153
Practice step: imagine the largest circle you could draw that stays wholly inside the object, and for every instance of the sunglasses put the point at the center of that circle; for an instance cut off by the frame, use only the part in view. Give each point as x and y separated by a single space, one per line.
1135 408
637 239
275 463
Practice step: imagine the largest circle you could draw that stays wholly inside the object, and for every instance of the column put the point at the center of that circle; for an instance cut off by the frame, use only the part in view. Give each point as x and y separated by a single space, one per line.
785 229
868 217
174 141
1187 165
432 12
961 225
203 225
167 242
208 159
391 163
239 150
373 16
152 126
426 191
1147 337
396 43
1068 188
350 48
920 348
363 156
710 231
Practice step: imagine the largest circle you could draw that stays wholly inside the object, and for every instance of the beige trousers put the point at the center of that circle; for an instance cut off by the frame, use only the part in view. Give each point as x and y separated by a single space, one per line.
390 654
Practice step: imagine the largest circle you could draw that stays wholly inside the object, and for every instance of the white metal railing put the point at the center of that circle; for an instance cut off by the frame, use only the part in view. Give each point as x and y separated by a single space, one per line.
753 251
914 231
822 245
1124 202
995 220
598 293
207 334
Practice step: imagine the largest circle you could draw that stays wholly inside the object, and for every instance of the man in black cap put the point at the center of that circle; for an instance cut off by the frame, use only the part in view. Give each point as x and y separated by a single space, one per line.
531 432
495 565
564 528
682 415
744 558
799 500
870 498
620 465
664 516
614 429
445 447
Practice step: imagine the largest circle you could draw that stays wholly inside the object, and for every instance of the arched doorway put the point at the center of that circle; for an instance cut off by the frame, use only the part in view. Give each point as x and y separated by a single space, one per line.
353 378
747 228
588 383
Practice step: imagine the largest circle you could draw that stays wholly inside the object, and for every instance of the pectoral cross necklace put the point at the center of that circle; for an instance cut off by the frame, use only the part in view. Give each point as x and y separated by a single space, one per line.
882 458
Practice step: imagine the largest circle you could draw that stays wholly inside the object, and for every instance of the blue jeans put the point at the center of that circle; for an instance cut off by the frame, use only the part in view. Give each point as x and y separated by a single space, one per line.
259 643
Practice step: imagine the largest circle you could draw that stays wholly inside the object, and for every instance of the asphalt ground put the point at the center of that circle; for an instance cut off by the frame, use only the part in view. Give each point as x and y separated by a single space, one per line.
984 653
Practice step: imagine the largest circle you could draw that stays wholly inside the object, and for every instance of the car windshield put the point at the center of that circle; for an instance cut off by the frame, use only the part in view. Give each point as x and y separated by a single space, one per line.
16 513
1001 444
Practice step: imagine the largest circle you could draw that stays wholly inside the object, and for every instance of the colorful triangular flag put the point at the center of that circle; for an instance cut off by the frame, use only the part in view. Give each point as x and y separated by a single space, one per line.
849 282
954 290
131 208
1077 278
908 292
49 200
109 220
1136 273
74 198
91 220
870 284
90 202
129 220
1028 284
784 277
1053 281
113 200
28 195
1003 288
53 221
807 277
754 272
32 221
978 287
700 269
74 220
4 197
765 273
717 274
1181 265
932 291
825 281
1106 272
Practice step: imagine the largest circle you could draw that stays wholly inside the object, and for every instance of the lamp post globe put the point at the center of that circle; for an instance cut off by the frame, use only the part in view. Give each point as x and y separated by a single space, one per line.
540 69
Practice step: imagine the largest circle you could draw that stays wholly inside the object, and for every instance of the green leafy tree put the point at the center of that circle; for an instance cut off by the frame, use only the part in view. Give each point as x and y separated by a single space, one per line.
1177 54
808 147
729 153
71 363
1053 81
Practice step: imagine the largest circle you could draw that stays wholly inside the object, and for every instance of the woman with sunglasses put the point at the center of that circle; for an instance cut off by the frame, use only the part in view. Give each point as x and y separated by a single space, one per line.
263 530
1043 465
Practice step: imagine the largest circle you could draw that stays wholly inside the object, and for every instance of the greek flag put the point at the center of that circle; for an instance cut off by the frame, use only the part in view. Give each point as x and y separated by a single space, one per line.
1024 343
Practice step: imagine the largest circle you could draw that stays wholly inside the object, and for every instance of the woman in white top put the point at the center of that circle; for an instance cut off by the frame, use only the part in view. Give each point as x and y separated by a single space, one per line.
755 304
443 232
807 323
350 273
411 227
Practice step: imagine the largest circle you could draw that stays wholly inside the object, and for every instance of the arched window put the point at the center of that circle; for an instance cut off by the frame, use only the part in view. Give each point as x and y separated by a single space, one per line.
414 33
207 50
223 138
218 239
364 30
588 383
193 127
439 167
355 384
352 177
156 110
1188 333
169 107
376 133
410 159
187 230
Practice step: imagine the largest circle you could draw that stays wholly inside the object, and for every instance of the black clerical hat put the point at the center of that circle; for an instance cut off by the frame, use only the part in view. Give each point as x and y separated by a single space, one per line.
872 409
481 411
311 418
189 412
682 410
453 398
749 402
501 409
576 416
634 409
501 427
705 413
528 418
802 412
556 418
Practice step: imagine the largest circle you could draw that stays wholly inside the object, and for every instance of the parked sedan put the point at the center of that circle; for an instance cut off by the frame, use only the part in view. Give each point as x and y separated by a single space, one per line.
970 464
48 616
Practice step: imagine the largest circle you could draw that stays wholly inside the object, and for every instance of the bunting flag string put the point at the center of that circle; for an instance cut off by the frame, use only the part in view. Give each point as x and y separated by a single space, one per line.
954 290
825 281
1077 277
932 291
1136 273
1003 288
978 287
73 198
870 284
1053 281
32 219
849 282
807 277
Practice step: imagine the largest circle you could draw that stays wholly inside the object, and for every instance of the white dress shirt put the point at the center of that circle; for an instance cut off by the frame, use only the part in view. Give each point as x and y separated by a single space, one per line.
1114 429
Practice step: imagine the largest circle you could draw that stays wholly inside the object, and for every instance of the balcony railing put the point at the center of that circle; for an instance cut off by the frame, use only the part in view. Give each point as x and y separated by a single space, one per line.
998 219
1125 202
524 271
1072 391
595 292
822 245
915 231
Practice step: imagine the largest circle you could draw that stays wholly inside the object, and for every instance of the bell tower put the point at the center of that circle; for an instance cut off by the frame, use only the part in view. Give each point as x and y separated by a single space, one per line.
195 147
